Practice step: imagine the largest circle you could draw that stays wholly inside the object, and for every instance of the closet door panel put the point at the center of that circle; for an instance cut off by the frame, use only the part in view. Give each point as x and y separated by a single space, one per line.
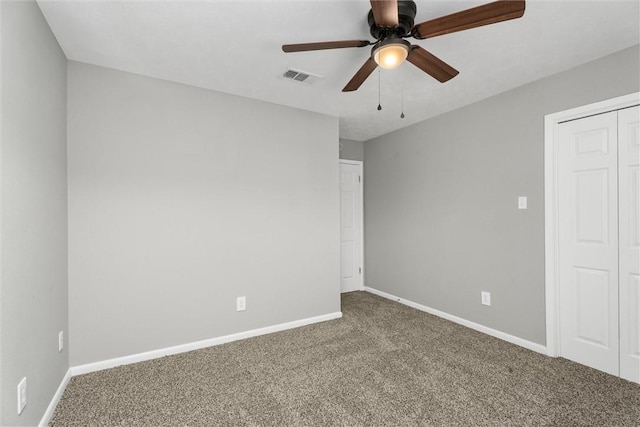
588 233
629 241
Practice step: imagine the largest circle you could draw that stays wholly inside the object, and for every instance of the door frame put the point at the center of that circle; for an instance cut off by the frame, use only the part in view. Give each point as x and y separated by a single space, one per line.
360 165
551 240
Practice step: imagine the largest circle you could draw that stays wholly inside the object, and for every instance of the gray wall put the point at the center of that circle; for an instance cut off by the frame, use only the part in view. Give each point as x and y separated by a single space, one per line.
441 218
351 150
182 199
33 226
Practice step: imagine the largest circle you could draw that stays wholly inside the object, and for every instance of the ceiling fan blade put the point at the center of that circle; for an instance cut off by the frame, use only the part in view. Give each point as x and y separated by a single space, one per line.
361 75
491 13
302 47
430 64
385 12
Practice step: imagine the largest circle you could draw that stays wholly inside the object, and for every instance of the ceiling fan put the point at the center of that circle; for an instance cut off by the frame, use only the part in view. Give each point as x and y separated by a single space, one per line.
391 22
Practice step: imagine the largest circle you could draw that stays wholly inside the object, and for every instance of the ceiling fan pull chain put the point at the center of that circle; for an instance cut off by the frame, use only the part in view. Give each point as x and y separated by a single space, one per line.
402 93
379 106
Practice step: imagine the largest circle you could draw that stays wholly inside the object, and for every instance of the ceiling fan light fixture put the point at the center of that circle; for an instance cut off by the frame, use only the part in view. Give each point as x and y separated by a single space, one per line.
390 53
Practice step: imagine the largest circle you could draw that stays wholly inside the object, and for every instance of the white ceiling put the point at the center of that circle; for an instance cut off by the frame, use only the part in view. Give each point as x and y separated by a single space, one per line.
235 47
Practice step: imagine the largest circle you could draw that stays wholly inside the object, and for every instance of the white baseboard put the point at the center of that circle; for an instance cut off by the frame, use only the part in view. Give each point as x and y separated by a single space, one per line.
56 398
155 354
469 324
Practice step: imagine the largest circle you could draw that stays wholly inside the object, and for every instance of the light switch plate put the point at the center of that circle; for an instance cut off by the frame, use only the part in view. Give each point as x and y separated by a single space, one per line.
522 202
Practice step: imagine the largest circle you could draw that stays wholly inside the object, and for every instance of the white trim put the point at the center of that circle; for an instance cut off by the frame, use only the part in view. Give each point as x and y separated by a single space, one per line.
154 354
54 401
538 348
551 123
351 162
360 165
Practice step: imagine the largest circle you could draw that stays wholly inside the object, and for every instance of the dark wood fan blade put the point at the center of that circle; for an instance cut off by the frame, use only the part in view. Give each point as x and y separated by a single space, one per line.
361 75
302 47
430 64
385 12
486 14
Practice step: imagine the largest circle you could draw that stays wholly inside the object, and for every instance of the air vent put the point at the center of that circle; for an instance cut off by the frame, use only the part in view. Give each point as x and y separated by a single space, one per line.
300 76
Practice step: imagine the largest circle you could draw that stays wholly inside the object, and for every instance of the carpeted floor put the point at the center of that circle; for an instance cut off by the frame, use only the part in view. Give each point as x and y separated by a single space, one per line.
381 364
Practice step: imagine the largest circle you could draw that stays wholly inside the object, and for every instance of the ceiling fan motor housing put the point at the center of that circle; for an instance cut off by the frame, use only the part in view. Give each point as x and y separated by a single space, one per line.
406 16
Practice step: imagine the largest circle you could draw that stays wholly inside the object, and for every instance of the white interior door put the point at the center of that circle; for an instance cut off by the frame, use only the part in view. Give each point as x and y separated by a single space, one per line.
588 241
629 205
351 218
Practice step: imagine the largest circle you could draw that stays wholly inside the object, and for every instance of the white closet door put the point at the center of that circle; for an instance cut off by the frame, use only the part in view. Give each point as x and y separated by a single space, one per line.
629 205
351 226
588 240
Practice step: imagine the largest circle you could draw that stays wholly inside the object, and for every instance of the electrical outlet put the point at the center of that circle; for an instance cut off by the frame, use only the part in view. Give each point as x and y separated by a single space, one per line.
241 303
60 341
22 395
485 298
522 202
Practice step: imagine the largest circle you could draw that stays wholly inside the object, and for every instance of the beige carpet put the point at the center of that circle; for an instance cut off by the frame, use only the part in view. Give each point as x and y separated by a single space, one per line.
381 364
